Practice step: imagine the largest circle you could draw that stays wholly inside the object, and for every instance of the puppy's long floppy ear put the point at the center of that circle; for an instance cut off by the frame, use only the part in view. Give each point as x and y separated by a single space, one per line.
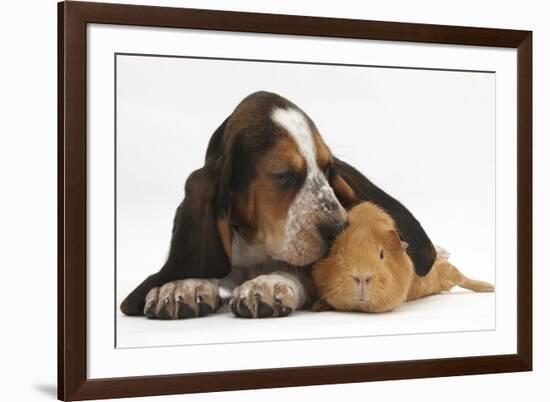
351 187
343 191
201 236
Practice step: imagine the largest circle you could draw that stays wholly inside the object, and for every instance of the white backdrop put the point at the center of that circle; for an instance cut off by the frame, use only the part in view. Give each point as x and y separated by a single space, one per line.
28 163
426 137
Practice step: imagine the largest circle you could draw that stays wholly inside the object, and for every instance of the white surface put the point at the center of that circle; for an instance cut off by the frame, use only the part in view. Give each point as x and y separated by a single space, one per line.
28 163
105 361
449 312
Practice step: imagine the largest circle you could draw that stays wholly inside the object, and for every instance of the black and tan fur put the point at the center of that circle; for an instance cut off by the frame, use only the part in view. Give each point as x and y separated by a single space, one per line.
257 215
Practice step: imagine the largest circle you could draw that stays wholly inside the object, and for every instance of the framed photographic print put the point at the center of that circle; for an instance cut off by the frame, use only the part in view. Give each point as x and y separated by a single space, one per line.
253 200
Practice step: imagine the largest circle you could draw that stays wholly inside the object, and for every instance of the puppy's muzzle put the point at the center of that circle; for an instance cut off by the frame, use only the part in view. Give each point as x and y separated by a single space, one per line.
329 231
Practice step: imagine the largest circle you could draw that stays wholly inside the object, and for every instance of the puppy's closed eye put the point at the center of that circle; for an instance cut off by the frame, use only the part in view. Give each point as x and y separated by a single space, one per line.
285 179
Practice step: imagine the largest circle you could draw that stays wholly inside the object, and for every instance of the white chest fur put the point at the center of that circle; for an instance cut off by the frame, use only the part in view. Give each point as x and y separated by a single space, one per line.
246 255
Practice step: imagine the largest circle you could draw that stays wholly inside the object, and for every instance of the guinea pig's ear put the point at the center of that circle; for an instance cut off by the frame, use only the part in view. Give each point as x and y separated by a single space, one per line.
394 242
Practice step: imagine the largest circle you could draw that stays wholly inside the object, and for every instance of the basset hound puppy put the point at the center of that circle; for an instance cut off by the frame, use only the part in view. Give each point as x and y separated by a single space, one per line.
263 208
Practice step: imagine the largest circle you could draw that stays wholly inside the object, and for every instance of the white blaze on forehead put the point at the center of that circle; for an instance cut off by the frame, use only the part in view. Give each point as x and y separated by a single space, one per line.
314 202
297 126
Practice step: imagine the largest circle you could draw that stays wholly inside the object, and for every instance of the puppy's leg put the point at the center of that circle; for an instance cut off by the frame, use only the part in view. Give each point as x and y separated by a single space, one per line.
185 298
273 295
134 303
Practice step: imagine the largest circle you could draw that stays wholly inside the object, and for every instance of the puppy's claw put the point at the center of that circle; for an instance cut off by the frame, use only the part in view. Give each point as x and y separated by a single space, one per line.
204 309
163 314
243 309
185 311
264 310
149 310
284 311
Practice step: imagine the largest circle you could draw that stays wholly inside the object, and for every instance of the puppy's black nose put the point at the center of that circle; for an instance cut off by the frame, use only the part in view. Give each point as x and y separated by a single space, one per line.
329 231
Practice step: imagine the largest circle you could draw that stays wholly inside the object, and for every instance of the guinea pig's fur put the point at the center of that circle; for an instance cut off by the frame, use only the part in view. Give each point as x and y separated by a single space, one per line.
368 268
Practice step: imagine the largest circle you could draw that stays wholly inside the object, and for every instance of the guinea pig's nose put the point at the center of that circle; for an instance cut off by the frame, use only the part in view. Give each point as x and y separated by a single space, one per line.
360 279
329 231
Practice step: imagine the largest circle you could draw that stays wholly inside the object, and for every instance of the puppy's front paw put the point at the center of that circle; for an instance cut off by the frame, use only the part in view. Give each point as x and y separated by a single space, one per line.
271 295
185 298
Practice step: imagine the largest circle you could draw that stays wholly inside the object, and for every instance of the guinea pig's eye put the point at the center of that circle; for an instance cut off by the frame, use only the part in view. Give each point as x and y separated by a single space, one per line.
382 254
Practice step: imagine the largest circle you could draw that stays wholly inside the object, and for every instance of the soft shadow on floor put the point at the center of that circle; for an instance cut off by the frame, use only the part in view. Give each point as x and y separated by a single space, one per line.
47 389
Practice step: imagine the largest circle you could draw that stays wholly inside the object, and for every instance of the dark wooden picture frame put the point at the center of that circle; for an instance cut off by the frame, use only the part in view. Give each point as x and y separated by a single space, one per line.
73 383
